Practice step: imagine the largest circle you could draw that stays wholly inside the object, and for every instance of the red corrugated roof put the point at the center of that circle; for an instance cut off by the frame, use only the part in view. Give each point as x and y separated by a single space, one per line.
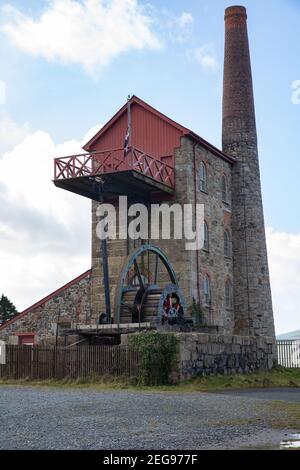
46 299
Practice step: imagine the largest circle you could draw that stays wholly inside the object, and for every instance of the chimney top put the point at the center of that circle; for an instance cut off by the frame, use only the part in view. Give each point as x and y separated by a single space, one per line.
236 11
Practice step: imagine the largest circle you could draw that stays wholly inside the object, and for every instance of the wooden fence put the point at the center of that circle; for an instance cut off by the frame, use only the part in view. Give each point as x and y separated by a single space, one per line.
39 362
289 353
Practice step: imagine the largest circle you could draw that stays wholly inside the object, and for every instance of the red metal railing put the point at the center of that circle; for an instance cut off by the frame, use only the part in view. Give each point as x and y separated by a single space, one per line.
112 161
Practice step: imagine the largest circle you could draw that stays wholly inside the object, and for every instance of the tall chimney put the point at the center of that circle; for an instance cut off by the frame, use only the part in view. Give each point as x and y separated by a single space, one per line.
252 293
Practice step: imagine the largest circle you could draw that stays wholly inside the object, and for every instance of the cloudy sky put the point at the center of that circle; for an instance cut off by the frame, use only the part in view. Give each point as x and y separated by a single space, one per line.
68 66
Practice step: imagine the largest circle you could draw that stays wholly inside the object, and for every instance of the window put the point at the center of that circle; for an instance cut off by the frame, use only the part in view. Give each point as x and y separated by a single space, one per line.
228 294
227 244
205 237
224 189
207 292
26 339
203 177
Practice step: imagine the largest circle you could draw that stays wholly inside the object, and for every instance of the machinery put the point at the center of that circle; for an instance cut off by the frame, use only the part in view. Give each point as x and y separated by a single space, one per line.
148 291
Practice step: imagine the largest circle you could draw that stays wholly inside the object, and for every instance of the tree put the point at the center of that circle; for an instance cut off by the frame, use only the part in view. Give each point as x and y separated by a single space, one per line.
7 309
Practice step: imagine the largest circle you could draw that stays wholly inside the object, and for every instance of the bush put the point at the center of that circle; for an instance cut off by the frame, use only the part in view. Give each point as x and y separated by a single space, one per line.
196 312
158 356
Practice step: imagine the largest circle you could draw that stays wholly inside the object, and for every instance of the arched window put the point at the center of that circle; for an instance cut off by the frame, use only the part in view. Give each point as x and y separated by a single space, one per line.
227 244
228 294
207 290
224 189
203 177
205 237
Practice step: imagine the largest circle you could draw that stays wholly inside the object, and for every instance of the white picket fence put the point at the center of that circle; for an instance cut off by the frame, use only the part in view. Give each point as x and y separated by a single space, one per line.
289 353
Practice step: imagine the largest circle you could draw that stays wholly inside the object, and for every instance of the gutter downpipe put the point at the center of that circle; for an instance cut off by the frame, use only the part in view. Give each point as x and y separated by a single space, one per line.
195 202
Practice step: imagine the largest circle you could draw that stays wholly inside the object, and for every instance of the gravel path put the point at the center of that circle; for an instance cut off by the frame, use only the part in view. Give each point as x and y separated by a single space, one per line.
288 395
33 418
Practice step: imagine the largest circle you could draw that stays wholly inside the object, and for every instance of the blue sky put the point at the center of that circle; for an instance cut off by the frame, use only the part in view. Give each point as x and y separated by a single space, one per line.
177 70
66 101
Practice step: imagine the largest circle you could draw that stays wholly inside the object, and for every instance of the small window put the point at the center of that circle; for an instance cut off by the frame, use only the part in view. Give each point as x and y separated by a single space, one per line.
203 177
207 291
26 339
228 294
205 237
227 244
224 189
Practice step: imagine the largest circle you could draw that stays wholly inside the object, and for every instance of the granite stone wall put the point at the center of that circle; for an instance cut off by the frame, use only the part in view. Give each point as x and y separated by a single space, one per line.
118 251
69 306
190 266
204 354
252 293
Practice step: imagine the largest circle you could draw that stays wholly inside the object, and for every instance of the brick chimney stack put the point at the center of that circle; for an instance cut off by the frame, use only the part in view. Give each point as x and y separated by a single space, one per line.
252 293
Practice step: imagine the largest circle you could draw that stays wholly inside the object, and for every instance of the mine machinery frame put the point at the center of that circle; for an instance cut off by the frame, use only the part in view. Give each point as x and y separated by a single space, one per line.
107 316
145 301
102 176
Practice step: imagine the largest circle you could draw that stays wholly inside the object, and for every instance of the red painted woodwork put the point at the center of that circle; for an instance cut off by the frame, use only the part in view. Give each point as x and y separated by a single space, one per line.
151 131
154 138
112 161
26 338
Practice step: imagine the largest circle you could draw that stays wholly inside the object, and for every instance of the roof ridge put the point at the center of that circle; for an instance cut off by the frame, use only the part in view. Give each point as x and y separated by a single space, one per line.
45 299
185 131
137 100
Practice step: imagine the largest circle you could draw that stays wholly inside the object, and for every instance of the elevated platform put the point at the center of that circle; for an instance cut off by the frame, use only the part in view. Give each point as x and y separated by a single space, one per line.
135 174
113 329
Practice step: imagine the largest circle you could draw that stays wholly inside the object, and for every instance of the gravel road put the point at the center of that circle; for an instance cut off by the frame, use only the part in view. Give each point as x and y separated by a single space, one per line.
288 395
44 418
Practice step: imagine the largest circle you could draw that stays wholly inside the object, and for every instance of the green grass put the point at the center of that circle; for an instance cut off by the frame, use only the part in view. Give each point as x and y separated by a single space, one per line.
287 415
279 377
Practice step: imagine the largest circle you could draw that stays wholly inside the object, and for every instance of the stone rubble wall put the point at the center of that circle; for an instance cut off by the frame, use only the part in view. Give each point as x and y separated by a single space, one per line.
190 266
253 311
72 305
204 354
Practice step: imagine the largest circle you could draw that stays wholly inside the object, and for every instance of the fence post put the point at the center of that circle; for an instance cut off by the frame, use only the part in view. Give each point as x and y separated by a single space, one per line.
2 353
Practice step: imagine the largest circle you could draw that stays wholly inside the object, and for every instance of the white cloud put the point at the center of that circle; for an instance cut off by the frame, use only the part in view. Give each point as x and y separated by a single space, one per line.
44 231
205 56
2 92
90 133
11 134
89 32
284 260
175 28
185 19
296 93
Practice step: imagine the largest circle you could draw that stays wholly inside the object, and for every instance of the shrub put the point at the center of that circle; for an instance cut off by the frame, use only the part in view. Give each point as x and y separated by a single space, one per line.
158 356
196 312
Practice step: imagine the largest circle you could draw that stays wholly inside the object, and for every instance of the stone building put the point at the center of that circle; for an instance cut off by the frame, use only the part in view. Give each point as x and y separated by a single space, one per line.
43 321
228 279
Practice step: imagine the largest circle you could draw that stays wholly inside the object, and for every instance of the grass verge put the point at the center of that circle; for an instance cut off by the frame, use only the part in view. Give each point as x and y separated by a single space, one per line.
279 377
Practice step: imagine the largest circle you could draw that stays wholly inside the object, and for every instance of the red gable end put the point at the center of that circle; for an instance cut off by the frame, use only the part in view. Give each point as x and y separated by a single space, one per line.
152 132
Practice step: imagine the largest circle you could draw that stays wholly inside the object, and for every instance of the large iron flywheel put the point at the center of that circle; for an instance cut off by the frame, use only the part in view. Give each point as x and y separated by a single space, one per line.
148 291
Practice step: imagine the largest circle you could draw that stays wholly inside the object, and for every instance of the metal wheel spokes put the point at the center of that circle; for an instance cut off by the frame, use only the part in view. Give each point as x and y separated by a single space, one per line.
144 284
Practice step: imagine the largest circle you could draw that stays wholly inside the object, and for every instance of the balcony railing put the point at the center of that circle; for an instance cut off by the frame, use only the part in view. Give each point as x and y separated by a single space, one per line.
112 161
